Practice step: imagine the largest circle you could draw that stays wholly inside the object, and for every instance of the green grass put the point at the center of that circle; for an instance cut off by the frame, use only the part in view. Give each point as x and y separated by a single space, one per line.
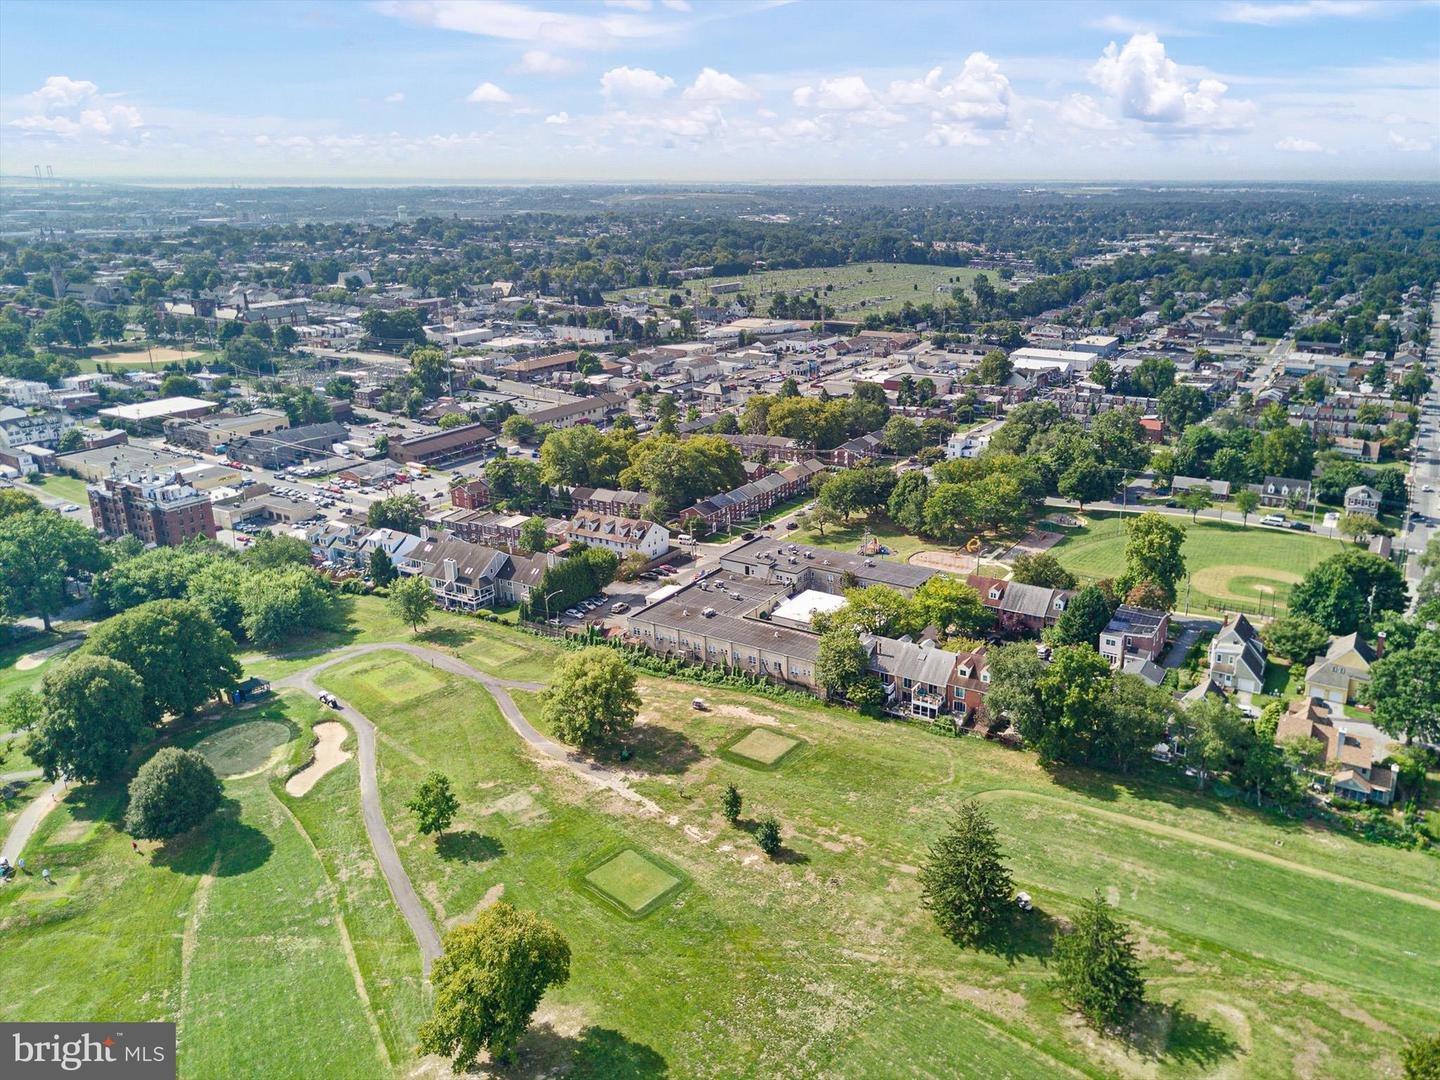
232 931
365 619
823 963
761 747
633 882
858 289
849 537
61 486
1276 943
1231 567
12 679
243 748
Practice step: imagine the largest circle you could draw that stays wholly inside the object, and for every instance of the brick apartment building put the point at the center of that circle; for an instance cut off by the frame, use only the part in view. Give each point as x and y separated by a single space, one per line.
157 510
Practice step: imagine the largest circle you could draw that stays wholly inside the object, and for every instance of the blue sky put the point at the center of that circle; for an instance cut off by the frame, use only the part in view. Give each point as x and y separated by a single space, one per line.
739 90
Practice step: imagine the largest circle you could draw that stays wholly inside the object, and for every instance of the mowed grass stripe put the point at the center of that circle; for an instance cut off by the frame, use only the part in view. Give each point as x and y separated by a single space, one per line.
260 966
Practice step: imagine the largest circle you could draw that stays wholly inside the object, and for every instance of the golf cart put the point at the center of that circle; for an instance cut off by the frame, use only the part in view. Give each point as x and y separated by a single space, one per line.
1023 902
329 699
698 704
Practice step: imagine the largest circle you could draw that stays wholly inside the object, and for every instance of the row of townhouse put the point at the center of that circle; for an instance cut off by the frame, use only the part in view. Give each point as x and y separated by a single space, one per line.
856 451
754 498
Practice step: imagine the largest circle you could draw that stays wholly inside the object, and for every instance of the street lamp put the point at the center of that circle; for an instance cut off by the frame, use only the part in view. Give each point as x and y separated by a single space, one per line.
556 592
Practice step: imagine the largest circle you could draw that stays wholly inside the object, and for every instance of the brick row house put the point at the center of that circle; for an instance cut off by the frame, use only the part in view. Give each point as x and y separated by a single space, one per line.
754 498
1020 608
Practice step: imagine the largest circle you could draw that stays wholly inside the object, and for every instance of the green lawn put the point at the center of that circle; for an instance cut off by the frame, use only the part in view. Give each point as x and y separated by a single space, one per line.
61 486
821 963
494 649
856 289
234 931
1264 936
848 538
1231 567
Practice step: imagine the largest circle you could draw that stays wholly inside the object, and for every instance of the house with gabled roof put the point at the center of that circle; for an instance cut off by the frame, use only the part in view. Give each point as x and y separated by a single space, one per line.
1237 657
1020 608
1337 676
1357 776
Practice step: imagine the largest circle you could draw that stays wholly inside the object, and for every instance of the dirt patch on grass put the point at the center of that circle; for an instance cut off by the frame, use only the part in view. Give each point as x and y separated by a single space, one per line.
329 734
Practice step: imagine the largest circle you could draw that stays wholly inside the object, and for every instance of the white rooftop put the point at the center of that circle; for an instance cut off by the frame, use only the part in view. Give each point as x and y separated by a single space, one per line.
153 410
802 607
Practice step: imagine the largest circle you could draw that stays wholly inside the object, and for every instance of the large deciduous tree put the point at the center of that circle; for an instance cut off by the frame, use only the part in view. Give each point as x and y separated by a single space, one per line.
91 713
434 804
182 657
411 601
1153 552
172 793
593 698
489 981
1348 591
39 553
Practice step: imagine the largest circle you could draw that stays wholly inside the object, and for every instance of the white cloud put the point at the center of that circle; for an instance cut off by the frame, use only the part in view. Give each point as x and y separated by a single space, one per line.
712 85
1408 145
396 98
630 5
628 82
1148 86
676 5
61 91
511 21
559 119
1282 14
74 108
1083 111
540 62
487 93
845 93
1292 144
955 135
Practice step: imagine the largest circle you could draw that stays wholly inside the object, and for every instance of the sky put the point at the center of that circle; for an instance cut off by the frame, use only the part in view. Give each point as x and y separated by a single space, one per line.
721 90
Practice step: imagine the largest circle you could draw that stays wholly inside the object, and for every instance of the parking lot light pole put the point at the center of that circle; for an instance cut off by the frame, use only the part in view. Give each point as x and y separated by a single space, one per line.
547 604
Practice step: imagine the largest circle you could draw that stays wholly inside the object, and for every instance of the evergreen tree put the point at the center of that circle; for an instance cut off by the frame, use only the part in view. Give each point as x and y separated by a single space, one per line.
767 835
964 884
730 804
1096 969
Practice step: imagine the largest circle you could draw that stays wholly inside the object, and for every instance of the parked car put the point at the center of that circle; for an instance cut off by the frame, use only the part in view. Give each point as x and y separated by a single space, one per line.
1302 526
1272 519
619 607
791 525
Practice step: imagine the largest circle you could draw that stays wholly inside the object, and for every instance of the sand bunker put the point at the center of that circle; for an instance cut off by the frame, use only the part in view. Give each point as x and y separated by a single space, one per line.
30 661
328 755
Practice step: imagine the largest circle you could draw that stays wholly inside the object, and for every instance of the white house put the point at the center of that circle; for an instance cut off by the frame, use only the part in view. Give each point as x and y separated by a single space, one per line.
624 536
1237 657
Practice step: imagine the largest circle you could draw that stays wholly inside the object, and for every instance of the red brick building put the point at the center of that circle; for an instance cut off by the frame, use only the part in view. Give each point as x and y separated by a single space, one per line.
157 510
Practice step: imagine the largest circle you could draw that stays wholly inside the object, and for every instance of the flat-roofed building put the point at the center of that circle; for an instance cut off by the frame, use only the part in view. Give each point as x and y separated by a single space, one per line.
443 447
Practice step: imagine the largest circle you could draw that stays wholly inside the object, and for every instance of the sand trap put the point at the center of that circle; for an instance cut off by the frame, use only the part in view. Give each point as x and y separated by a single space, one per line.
30 661
329 735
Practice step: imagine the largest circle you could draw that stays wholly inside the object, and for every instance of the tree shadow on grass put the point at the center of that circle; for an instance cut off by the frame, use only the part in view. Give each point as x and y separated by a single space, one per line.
786 855
242 847
445 637
655 749
596 1053
467 845
1024 935
1174 1035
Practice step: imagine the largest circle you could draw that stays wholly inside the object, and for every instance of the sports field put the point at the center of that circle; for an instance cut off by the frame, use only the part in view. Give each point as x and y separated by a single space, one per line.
271 935
1232 568
853 290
